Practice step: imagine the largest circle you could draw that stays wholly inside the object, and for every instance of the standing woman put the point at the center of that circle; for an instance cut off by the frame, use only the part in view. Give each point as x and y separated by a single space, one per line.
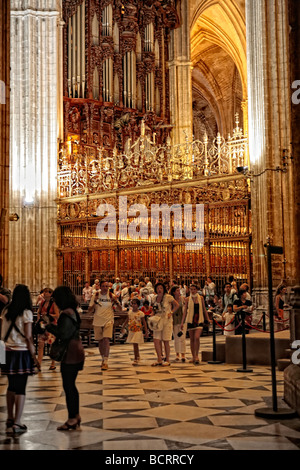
68 330
164 305
178 332
16 332
194 313
279 301
47 312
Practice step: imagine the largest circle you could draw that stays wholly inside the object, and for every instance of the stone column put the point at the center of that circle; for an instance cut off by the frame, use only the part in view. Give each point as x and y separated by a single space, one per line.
4 135
180 67
273 208
34 133
294 21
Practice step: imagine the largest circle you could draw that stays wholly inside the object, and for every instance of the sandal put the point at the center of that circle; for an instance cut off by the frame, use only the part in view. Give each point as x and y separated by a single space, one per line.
19 428
155 364
9 425
68 427
166 364
52 367
183 359
136 362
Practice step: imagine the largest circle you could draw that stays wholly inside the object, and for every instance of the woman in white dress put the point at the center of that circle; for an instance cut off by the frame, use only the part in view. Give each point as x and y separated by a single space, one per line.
136 323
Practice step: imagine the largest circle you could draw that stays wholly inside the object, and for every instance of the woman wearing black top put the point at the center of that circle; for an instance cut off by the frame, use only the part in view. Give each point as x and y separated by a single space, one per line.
242 306
279 301
68 329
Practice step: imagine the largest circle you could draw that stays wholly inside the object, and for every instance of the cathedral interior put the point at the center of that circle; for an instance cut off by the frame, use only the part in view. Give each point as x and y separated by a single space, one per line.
191 107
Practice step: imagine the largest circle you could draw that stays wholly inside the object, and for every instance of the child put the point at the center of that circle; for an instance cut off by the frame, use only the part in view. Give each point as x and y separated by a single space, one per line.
147 309
228 316
148 312
136 321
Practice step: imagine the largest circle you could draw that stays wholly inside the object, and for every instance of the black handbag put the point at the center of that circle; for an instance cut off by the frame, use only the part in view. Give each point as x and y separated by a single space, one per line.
37 328
58 350
59 346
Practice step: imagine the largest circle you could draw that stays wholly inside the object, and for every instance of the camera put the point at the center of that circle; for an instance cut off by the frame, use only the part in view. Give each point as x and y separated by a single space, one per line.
180 334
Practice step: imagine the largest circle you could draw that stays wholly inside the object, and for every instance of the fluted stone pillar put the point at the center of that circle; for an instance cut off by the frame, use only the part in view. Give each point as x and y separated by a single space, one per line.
34 133
4 135
272 191
180 69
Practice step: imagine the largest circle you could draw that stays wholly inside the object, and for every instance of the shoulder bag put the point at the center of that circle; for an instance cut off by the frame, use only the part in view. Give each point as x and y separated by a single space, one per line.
59 346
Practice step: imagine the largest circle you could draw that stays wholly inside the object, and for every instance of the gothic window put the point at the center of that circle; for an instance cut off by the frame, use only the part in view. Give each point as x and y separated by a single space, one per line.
116 38
116 89
138 48
96 85
95 31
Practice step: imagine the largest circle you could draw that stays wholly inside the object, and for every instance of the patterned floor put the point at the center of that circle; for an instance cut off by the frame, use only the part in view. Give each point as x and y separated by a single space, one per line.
183 407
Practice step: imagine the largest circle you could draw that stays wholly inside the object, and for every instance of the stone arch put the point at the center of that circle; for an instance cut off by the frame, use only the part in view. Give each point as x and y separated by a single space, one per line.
218 55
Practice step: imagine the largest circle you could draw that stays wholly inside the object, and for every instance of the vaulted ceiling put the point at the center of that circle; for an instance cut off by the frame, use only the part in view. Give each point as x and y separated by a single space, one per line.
218 54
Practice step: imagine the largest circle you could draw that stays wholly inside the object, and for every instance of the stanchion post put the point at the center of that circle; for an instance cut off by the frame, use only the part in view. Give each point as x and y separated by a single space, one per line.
214 361
244 369
273 412
264 321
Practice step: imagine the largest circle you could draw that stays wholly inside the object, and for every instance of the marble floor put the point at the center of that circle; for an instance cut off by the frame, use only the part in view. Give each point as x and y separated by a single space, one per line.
183 407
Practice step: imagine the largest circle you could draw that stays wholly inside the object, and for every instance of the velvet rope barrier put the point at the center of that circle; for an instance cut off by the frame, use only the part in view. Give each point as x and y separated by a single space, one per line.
224 327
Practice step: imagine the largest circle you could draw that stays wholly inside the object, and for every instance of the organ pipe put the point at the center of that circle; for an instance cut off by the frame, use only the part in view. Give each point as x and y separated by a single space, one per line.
129 68
76 53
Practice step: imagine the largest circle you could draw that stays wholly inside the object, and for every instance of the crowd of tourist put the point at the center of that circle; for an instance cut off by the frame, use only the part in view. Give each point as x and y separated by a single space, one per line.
159 311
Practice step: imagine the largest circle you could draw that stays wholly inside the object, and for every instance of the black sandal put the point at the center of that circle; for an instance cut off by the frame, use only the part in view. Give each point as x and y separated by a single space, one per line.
68 427
19 428
9 425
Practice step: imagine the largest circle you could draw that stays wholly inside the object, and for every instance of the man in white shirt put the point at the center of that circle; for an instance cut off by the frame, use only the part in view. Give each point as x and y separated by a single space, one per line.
102 304
209 289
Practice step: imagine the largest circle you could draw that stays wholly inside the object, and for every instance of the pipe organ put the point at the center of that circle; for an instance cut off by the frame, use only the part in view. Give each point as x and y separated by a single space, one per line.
117 143
76 52
115 73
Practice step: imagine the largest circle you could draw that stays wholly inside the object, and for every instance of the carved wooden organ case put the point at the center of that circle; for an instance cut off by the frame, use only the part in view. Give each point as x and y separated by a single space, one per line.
115 70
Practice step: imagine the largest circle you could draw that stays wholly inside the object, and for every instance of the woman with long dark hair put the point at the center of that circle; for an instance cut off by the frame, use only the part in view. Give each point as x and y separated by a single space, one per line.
16 332
47 312
179 333
68 330
164 305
